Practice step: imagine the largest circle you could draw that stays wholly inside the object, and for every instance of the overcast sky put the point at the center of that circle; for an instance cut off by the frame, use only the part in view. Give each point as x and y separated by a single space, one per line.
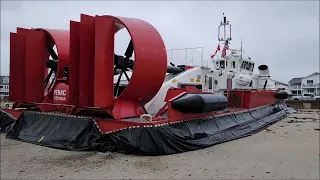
282 34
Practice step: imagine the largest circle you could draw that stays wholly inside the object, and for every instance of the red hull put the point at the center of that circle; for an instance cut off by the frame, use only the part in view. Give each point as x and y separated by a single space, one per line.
249 100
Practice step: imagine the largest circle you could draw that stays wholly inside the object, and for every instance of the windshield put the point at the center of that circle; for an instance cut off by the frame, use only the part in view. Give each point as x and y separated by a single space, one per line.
222 64
251 67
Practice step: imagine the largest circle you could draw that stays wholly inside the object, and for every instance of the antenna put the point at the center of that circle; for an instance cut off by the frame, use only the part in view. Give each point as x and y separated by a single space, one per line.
226 38
241 50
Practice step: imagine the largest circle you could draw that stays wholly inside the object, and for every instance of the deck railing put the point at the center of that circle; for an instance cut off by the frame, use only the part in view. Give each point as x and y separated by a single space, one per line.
314 85
187 56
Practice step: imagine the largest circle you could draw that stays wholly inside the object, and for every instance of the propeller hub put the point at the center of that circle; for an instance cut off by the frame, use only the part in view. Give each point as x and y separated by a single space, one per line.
52 64
122 63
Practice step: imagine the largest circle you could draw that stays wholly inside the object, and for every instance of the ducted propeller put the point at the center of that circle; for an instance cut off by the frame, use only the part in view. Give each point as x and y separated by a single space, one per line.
129 50
51 64
123 64
52 53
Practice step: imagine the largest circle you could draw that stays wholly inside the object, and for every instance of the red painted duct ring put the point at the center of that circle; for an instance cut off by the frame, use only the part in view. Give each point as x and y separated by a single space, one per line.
150 60
61 39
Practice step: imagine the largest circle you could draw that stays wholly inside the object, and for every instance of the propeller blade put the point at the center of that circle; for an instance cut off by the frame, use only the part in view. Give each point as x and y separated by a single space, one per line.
145 110
118 84
125 73
48 78
172 64
52 64
52 53
129 50
51 84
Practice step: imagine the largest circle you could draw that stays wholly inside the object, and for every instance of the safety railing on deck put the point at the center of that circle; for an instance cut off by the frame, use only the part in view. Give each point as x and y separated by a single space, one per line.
187 56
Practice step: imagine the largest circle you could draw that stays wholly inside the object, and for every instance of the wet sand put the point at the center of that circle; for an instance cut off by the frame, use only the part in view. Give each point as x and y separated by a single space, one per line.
287 149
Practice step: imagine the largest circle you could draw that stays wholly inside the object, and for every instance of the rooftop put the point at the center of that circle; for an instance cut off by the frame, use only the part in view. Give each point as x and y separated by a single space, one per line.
315 73
295 80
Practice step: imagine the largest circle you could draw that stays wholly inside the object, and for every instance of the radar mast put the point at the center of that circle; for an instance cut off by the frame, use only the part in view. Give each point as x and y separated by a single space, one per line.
225 38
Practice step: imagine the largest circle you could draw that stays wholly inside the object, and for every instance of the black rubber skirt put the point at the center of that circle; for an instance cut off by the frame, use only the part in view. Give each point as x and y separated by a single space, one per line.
5 120
78 133
56 131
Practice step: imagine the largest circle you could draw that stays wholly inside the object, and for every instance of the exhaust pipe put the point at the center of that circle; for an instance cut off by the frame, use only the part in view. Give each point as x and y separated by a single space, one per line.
264 76
264 71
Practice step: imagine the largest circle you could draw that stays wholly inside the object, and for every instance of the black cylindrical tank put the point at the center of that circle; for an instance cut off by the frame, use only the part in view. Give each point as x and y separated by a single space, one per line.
198 103
283 94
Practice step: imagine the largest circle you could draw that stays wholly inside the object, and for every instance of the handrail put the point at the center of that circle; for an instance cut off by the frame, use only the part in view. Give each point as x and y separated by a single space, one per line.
311 85
186 54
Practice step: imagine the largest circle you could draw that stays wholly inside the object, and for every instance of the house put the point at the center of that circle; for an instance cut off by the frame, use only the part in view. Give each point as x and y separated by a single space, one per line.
4 88
311 84
295 86
308 84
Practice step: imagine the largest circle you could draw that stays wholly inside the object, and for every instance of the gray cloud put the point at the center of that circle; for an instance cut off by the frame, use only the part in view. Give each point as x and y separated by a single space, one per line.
281 34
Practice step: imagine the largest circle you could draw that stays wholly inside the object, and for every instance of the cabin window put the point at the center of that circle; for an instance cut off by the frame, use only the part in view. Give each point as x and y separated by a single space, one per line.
210 82
248 66
242 65
222 64
245 65
233 65
252 67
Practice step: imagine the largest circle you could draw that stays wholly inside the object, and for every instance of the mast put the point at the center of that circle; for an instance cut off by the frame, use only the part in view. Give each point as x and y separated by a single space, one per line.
226 38
241 50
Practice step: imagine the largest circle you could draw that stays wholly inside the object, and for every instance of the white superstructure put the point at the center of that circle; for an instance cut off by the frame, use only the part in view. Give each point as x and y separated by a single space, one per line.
230 71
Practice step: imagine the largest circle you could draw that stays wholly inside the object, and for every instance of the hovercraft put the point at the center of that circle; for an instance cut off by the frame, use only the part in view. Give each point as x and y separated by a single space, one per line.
83 96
